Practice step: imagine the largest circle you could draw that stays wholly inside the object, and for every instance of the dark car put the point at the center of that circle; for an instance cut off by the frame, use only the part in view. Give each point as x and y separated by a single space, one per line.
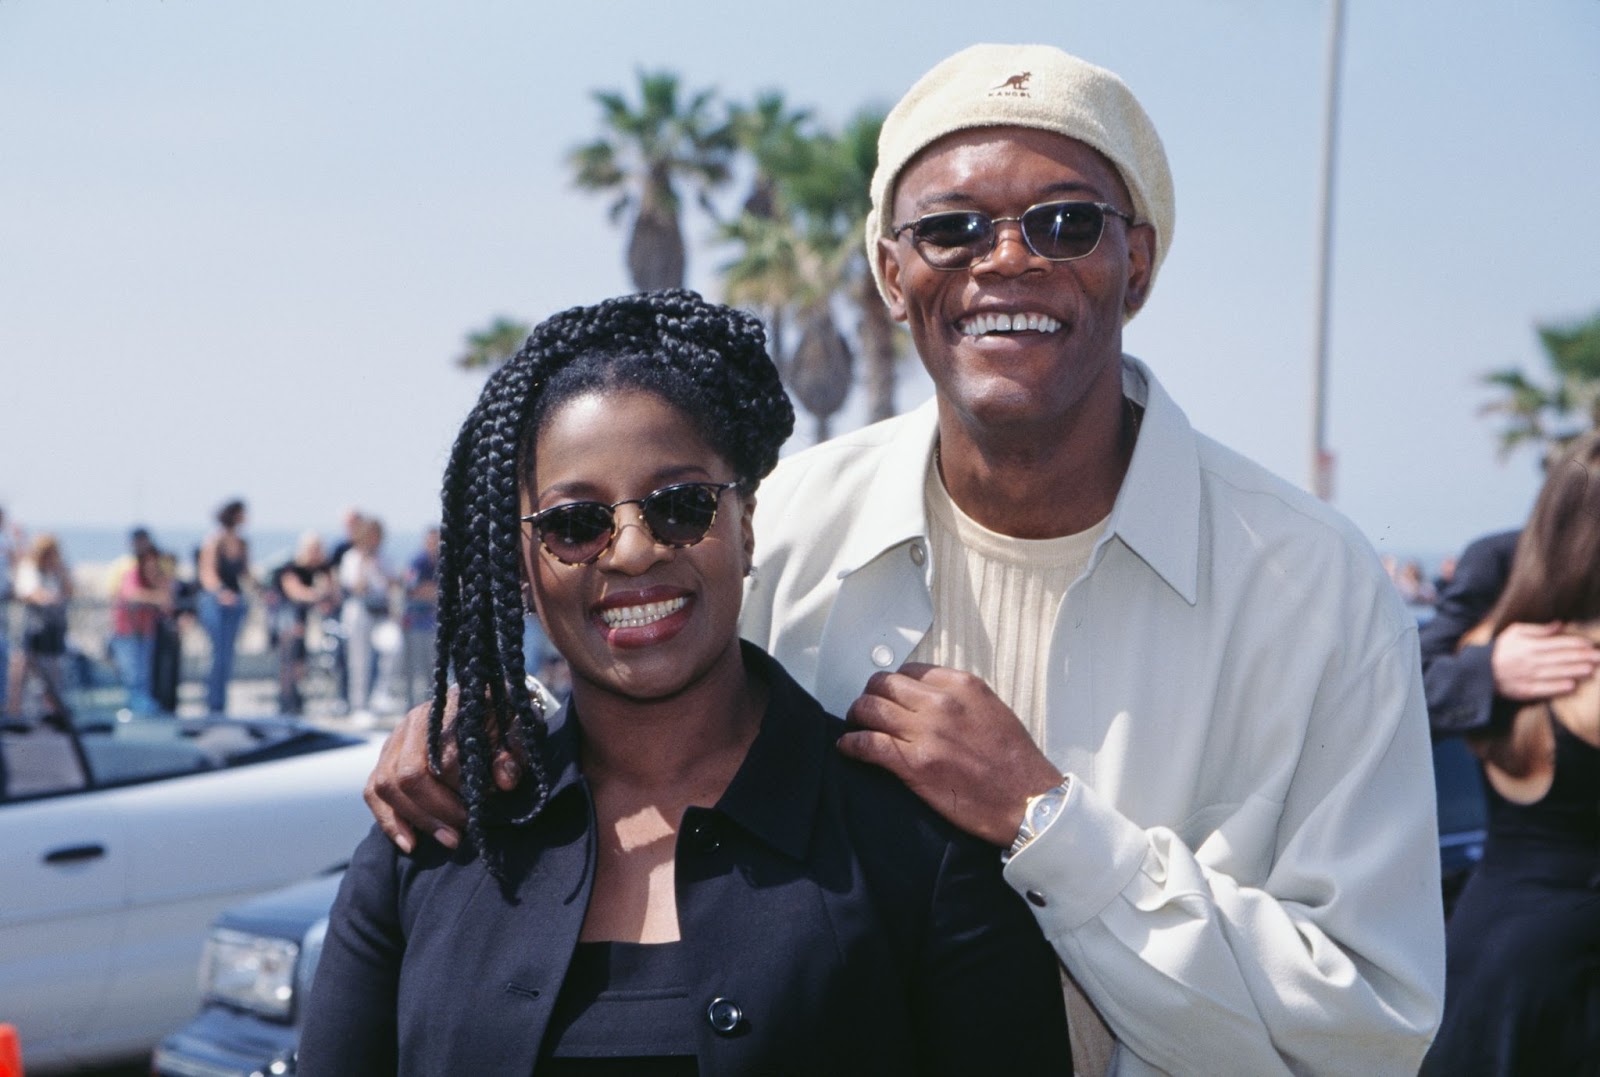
263 953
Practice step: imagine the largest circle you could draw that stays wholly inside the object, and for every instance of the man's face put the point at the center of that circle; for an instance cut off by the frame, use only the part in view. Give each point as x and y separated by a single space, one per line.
1009 381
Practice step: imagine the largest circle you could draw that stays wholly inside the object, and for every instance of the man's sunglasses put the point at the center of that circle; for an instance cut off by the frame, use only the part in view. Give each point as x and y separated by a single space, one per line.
578 532
1059 231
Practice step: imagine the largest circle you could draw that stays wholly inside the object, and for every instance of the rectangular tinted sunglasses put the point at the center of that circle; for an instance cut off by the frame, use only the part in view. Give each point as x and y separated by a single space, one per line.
1058 231
578 532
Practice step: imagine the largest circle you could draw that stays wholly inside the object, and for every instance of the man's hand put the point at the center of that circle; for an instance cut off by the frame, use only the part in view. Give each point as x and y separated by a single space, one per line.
406 796
1534 661
954 744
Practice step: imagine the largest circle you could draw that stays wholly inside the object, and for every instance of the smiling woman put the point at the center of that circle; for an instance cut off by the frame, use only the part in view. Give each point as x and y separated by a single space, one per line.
690 879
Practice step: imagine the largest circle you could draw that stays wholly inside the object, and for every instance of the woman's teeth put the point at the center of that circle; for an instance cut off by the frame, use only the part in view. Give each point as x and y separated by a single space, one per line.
634 616
979 324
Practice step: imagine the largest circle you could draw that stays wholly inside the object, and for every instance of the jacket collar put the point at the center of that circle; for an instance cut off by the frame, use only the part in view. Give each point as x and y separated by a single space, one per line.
774 793
1156 513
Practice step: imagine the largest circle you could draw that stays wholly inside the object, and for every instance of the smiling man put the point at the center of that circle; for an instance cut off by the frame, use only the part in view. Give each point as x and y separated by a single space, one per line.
1178 691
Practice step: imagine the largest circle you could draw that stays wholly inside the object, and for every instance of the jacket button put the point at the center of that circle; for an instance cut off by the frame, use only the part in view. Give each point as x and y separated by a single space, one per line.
918 554
703 837
883 656
724 1015
1036 898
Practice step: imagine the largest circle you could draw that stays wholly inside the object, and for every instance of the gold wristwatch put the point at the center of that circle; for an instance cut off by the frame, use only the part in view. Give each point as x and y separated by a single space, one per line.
1037 814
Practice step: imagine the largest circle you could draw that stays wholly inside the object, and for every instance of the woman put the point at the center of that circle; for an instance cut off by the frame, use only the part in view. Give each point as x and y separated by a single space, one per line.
143 597
44 587
1522 991
305 583
691 879
224 570
365 580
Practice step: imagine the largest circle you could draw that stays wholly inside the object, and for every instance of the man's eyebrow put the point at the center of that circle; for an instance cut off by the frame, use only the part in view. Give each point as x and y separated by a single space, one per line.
960 199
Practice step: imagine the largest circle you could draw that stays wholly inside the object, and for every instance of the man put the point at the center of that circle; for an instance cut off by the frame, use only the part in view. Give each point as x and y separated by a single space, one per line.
1178 692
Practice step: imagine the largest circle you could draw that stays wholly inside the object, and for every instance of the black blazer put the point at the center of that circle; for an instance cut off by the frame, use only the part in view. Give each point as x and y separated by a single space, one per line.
855 931
1460 684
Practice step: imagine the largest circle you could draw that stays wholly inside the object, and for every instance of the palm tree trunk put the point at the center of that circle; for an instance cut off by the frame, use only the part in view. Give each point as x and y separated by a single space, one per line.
879 349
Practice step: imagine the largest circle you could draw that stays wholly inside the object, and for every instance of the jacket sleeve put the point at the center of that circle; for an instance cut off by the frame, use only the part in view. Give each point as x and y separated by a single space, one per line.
989 992
1460 683
350 1025
1333 964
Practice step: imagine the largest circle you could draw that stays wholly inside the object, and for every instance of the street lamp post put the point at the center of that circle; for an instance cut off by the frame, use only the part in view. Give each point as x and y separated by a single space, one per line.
1321 455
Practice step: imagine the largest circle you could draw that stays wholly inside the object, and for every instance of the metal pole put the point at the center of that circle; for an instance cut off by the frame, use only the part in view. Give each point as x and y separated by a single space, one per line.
1321 456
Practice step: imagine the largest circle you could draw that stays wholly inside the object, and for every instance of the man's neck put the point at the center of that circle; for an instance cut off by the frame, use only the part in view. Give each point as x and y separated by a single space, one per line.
1037 485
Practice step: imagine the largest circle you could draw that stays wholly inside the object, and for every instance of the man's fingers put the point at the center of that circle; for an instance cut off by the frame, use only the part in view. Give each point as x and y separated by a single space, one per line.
878 749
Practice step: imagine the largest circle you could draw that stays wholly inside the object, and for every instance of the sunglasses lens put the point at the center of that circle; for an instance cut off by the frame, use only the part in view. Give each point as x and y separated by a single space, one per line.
681 515
1063 230
576 533
952 239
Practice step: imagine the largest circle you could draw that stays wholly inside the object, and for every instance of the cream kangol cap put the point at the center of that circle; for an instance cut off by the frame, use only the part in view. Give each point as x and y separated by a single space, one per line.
1036 86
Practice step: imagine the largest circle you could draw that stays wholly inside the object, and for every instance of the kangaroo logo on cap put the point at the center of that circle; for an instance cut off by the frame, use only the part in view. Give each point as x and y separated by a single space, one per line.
1015 86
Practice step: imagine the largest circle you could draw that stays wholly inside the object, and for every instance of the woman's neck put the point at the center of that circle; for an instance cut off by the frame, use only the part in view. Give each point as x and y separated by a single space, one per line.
690 743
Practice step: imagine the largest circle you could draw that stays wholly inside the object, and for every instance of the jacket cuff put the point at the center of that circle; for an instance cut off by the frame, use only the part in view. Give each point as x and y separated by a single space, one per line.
1079 863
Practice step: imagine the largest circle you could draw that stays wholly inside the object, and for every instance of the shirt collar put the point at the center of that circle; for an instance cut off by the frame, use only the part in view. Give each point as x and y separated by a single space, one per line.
773 795
1156 513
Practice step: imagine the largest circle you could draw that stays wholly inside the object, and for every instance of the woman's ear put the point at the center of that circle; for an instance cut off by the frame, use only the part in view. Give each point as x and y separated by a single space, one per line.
747 531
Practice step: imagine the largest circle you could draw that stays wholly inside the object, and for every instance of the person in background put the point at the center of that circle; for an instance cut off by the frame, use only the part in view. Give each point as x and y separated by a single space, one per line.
44 587
421 619
223 567
364 580
1478 687
1522 993
352 520
303 584
8 561
141 593
1178 690
167 666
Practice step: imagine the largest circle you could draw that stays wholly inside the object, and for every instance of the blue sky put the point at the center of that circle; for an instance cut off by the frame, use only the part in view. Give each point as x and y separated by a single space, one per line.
240 244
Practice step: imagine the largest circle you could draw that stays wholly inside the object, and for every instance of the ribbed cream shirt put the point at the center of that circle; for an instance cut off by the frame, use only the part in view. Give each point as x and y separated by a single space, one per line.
995 602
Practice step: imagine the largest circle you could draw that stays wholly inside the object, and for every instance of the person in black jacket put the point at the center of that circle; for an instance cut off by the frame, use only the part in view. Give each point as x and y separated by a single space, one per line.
1477 688
690 880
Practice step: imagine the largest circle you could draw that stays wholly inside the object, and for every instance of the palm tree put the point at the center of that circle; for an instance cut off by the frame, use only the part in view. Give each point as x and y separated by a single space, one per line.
1548 416
493 345
644 154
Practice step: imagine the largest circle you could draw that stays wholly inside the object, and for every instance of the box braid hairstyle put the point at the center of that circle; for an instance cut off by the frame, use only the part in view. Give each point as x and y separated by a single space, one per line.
708 361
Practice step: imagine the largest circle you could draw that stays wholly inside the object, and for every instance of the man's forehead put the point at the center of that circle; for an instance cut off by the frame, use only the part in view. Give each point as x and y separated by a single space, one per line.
977 173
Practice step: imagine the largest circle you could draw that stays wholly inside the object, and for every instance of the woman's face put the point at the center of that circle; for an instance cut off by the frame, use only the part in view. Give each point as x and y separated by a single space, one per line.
644 620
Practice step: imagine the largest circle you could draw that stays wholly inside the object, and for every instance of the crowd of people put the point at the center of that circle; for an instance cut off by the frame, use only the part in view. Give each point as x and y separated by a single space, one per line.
373 625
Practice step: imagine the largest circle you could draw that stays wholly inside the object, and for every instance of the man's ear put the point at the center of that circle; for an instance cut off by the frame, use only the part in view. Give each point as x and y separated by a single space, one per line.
889 267
1141 264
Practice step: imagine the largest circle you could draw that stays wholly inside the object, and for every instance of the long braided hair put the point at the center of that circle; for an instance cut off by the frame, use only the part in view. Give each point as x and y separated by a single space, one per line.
708 361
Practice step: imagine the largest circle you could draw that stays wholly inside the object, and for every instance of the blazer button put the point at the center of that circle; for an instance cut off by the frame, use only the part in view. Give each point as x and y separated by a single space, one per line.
724 1015
882 656
1036 898
918 554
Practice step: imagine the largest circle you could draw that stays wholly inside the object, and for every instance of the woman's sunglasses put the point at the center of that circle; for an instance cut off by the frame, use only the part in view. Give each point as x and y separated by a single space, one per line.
1059 231
578 532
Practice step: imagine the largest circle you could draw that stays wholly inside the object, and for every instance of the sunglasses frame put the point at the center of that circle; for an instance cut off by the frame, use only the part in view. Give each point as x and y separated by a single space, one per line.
718 488
1105 210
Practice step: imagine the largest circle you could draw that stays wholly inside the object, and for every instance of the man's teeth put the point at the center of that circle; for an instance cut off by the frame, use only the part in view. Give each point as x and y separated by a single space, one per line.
634 616
979 324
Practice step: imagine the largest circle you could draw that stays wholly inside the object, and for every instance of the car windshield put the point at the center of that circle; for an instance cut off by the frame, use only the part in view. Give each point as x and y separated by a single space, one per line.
105 745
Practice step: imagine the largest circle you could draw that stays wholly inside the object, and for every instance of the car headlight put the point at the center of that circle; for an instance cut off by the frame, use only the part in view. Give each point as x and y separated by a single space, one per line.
252 972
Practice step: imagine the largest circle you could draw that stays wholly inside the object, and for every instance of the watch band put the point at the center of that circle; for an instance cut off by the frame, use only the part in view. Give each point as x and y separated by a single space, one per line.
1037 815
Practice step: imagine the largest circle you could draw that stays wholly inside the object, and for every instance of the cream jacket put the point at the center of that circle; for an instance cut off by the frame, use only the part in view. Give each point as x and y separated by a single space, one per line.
1245 876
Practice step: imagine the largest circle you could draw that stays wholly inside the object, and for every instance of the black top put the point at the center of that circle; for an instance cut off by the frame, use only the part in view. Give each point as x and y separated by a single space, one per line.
624 1008
831 924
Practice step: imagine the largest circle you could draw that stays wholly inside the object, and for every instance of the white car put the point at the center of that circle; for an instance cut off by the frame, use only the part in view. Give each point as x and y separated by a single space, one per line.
121 840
